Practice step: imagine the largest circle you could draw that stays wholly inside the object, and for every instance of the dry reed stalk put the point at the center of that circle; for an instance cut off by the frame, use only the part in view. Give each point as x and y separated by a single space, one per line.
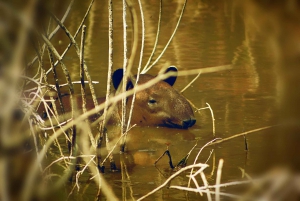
56 82
82 170
31 176
64 68
127 71
98 178
213 119
138 74
35 143
156 37
62 26
52 100
77 31
110 62
56 161
218 179
42 49
52 86
184 160
199 165
210 153
85 68
196 158
212 116
83 93
125 179
194 179
207 187
191 82
70 85
140 64
145 70
50 36
36 48
117 142
54 106
205 183
244 133
52 127
106 113
204 191
124 79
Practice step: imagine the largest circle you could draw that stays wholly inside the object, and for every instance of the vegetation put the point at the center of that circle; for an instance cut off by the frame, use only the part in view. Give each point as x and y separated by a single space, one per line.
27 161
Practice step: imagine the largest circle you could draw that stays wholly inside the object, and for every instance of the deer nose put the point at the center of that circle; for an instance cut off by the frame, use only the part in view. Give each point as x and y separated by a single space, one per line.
188 123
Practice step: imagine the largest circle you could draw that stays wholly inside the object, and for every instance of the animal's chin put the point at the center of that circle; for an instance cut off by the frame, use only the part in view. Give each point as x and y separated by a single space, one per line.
170 124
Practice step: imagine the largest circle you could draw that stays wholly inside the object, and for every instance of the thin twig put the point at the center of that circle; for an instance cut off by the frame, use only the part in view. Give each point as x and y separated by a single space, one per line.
184 160
78 54
200 165
206 185
113 148
204 191
98 178
83 93
156 37
145 70
213 119
55 31
140 62
244 133
134 20
196 158
189 84
110 62
218 179
76 33
124 79
56 82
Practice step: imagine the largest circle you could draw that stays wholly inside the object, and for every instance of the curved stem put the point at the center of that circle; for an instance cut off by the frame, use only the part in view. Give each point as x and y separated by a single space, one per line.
145 70
157 35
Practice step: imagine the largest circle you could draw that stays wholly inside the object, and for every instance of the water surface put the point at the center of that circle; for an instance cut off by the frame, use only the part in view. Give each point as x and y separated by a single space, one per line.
211 33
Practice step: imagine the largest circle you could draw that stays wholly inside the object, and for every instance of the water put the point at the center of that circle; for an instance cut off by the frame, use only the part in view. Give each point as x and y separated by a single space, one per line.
211 33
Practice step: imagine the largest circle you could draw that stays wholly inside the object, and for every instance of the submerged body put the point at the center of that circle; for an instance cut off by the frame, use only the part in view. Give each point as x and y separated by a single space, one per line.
158 105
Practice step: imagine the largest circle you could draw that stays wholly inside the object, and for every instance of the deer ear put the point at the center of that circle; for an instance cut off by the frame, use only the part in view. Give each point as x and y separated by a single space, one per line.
117 79
171 80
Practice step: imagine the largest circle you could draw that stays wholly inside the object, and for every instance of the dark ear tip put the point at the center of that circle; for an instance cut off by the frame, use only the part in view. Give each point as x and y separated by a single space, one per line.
118 71
172 68
171 80
117 77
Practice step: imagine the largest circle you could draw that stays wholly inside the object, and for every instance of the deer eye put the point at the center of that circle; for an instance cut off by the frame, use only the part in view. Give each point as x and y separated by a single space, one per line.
151 101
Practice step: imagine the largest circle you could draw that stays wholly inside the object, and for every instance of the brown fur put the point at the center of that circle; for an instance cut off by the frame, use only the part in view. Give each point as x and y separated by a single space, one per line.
158 105
170 108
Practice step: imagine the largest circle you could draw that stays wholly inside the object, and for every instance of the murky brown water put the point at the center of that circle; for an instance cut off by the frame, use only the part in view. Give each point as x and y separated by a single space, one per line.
211 33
